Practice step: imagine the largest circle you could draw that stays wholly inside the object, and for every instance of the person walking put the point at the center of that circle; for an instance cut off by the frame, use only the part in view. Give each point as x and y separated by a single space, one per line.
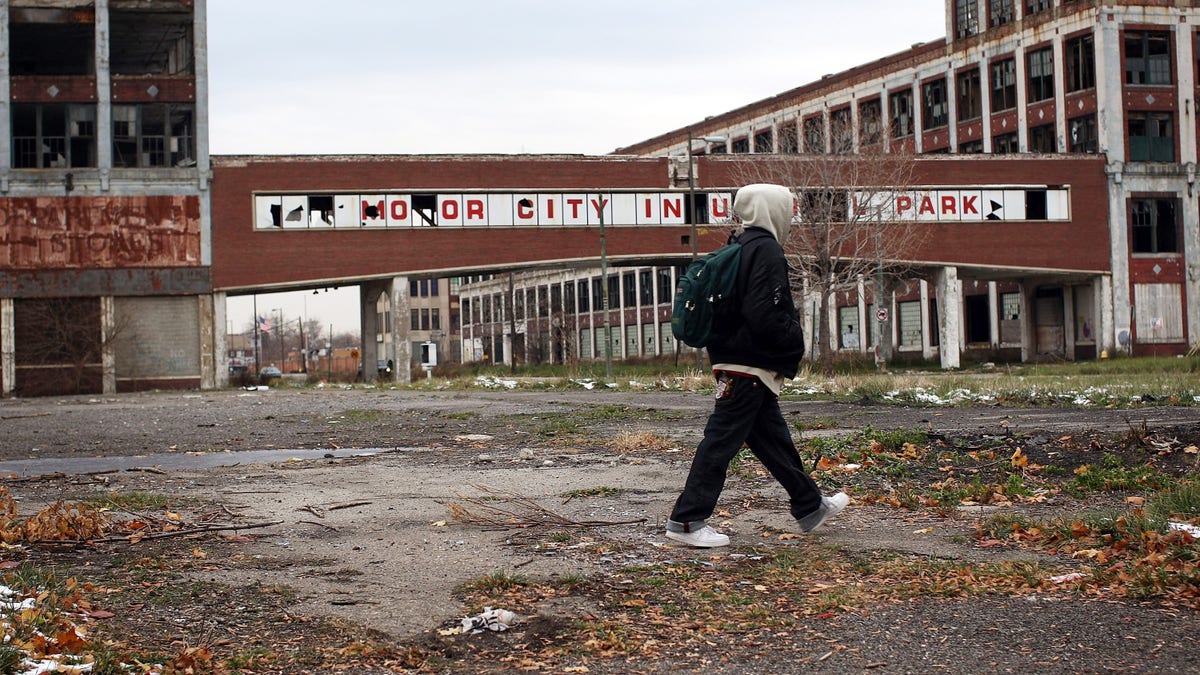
758 347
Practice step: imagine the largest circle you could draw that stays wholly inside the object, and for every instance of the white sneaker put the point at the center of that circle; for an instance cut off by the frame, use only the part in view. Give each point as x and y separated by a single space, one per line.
705 537
830 507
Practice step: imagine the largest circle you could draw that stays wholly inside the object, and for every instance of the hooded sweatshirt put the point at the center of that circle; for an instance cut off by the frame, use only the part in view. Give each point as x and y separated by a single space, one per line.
764 338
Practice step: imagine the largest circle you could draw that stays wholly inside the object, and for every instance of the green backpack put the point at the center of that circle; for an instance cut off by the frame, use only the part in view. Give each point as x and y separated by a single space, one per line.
705 291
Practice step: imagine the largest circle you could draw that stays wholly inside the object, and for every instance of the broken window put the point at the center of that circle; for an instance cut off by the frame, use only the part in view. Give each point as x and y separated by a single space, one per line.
53 135
1004 85
1155 226
814 135
1005 144
900 105
1043 138
1147 57
150 43
1081 63
153 135
841 131
970 96
763 142
52 42
870 124
1041 74
1151 136
935 112
789 140
966 18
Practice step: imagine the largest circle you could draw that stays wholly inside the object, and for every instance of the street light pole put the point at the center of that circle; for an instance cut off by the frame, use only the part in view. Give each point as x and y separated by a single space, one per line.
604 292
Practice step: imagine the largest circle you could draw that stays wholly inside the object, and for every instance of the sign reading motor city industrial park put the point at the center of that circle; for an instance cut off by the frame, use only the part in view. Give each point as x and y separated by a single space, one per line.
553 209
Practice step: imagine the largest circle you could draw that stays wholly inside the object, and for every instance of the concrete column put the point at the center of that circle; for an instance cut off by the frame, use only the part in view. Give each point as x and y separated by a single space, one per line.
212 342
1104 315
5 116
835 328
1061 133
994 315
8 342
1185 56
926 343
220 344
1122 313
862 316
108 360
1028 333
104 156
1069 322
401 345
949 295
368 295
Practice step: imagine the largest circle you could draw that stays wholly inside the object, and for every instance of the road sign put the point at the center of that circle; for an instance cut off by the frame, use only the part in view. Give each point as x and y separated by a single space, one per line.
881 314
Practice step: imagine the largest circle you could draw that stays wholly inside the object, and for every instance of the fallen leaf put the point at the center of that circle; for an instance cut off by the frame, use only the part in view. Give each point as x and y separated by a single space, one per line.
1136 501
440 523
1019 458
101 614
926 530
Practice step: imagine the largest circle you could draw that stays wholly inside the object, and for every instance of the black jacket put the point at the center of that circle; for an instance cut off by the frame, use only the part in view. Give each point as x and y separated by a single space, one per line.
762 330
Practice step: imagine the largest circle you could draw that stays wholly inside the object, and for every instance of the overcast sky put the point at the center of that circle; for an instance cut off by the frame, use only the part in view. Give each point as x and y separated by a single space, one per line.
517 76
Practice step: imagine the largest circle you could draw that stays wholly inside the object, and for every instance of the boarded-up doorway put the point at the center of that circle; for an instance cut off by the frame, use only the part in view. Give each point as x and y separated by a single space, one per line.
1050 331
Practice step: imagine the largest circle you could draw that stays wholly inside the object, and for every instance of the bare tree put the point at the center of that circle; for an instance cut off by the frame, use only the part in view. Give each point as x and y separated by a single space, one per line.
846 227
63 340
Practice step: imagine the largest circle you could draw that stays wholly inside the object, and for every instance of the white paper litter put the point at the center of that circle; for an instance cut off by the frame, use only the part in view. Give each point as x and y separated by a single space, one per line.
497 620
1186 527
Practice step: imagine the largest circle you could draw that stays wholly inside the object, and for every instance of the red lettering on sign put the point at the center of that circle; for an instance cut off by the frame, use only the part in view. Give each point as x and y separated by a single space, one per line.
926 205
720 207
524 209
399 210
903 203
949 205
648 204
372 211
550 209
575 204
474 209
599 206
672 207
968 205
450 210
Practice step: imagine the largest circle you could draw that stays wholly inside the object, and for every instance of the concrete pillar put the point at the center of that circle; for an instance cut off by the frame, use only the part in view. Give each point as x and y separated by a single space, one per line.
835 328
108 360
5 117
862 316
1191 277
401 345
1122 313
8 342
1069 322
1028 332
949 295
994 315
368 295
104 149
1104 315
220 343
926 343
212 343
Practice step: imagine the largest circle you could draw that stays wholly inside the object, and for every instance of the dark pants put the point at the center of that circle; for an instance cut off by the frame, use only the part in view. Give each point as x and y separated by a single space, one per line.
746 412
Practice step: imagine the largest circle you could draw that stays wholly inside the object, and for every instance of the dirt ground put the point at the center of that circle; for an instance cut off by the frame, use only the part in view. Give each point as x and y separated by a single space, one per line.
362 541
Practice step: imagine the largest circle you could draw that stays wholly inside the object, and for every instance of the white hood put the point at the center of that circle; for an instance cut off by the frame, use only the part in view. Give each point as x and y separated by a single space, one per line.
765 206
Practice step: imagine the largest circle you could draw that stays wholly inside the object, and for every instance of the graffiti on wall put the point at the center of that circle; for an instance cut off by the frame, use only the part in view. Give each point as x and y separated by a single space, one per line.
40 233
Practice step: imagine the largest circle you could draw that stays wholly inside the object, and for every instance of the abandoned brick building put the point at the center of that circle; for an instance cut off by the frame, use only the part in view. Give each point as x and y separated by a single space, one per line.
1053 149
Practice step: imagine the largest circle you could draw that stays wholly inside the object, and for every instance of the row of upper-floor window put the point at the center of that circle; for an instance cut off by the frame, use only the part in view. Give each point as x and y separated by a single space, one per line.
999 13
62 135
140 43
626 290
1148 61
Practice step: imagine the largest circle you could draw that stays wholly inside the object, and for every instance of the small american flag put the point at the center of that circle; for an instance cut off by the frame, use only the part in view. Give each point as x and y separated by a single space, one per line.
264 324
